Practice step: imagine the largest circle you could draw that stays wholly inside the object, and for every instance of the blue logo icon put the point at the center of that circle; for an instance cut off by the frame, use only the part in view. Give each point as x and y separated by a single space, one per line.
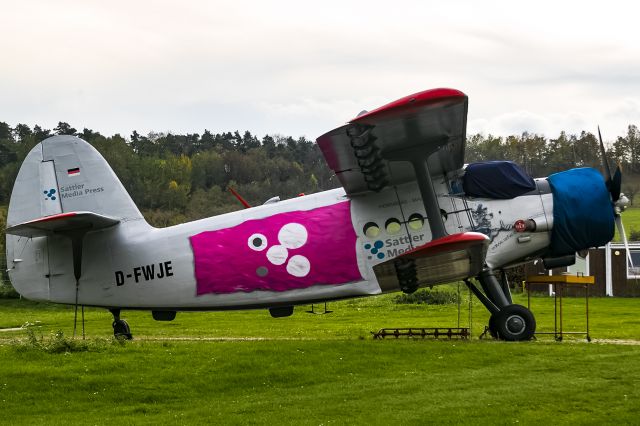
375 249
50 194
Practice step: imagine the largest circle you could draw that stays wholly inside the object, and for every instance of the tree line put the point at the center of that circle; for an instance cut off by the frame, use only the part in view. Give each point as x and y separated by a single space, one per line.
179 177
540 156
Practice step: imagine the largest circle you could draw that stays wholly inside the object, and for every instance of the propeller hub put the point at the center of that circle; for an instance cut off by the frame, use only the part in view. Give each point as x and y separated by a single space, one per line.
621 203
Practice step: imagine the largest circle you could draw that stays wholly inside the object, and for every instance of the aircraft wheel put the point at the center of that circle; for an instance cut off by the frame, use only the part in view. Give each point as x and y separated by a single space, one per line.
515 323
121 330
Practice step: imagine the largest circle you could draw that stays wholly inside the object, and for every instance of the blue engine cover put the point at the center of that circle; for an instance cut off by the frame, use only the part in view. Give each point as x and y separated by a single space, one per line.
583 214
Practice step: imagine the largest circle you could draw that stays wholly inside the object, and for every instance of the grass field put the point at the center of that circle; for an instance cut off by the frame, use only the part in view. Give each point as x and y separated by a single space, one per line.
321 369
631 222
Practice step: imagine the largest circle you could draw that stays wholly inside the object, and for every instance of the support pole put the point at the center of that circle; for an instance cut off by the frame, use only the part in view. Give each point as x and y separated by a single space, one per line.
76 248
561 286
470 312
555 311
586 300
75 312
77 237
458 304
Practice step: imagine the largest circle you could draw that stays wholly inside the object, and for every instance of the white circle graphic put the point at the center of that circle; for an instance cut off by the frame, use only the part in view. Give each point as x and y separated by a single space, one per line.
293 235
298 266
277 255
257 242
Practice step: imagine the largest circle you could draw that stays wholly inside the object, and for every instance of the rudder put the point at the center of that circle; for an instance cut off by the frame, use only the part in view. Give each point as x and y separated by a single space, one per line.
70 176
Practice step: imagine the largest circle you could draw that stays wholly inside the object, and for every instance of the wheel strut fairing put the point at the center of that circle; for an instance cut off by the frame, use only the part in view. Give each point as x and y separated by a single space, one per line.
283 252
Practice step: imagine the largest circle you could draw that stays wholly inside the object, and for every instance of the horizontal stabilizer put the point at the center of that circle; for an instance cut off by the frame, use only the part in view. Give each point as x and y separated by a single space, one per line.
60 223
446 259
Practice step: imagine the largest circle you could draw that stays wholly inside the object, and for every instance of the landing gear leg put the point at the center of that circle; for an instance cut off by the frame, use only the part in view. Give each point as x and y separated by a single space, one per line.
121 329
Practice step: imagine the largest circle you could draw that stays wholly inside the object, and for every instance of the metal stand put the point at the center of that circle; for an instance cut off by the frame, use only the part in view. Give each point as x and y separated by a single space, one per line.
436 332
312 311
559 282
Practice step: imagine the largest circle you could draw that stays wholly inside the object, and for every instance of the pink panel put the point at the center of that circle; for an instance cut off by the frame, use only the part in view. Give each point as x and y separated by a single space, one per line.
282 252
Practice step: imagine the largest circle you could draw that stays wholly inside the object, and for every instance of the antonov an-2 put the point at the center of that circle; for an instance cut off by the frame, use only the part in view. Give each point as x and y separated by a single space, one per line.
409 214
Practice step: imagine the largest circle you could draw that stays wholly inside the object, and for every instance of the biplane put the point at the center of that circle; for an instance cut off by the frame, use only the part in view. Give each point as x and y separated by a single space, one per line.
410 213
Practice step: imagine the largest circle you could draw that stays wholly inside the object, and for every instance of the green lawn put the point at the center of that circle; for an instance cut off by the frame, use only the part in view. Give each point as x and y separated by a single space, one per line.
611 318
321 369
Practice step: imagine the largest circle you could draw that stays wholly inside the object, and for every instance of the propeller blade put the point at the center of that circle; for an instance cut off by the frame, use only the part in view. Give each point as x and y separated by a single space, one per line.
605 163
624 239
616 184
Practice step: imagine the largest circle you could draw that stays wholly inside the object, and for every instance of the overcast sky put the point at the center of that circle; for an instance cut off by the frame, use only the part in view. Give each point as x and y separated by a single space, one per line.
302 68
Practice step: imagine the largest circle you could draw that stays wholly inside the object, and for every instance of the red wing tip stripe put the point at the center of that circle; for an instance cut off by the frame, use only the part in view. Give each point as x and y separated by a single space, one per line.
465 237
461 237
417 99
454 241
53 217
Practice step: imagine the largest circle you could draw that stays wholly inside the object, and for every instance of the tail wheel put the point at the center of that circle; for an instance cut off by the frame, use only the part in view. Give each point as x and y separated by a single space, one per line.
121 329
514 323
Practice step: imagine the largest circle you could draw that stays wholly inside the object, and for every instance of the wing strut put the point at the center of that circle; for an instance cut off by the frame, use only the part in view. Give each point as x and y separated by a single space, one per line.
429 198
418 157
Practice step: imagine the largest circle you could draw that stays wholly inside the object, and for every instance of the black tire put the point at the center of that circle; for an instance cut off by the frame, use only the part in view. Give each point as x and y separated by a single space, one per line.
121 330
515 323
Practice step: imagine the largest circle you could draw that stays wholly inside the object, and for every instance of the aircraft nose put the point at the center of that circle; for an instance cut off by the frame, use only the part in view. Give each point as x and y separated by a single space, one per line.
583 214
622 203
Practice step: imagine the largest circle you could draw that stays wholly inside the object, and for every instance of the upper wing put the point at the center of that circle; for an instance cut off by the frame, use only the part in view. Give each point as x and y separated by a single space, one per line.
433 121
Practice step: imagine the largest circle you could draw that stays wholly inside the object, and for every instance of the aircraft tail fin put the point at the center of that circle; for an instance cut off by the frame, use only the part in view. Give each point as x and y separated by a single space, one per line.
62 175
